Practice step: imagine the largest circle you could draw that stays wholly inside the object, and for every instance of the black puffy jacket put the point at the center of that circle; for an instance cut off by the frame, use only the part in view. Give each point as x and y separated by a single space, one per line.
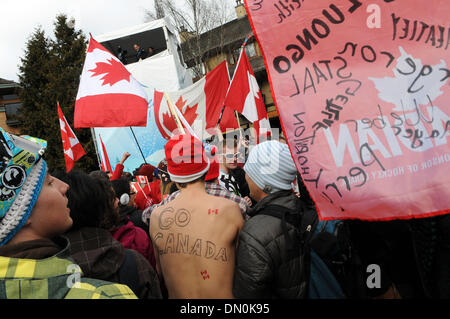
266 267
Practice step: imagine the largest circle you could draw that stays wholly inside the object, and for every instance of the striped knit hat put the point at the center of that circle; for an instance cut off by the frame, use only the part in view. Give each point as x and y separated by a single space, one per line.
22 173
271 167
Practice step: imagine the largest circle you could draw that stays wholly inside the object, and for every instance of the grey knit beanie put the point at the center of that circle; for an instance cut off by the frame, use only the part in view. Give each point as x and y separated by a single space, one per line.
271 167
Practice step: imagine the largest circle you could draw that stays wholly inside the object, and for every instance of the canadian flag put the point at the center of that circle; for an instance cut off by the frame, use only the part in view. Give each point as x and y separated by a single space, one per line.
142 179
245 96
108 95
135 187
106 166
200 105
73 150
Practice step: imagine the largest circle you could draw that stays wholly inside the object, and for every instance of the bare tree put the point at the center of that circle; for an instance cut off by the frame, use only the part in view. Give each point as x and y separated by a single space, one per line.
195 18
156 13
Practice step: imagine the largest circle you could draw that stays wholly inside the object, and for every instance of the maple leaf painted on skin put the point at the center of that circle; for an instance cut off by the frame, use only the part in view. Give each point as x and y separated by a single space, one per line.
114 72
189 114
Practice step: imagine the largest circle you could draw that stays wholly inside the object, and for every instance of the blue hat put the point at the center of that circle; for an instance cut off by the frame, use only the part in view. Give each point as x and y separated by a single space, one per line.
22 173
270 166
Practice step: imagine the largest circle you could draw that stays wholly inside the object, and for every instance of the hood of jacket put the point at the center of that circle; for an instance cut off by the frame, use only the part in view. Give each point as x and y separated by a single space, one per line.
96 251
51 277
34 249
132 237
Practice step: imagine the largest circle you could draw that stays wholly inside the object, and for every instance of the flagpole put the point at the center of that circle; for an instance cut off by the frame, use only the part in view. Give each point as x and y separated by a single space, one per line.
138 145
221 114
230 80
223 108
174 114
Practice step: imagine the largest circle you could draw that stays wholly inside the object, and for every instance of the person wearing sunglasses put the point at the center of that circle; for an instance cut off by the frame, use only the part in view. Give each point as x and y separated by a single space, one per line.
228 162
228 169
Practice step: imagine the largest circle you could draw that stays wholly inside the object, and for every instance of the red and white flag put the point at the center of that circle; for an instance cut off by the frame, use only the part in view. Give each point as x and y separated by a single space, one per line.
368 130
142 179
106 166
137 188
134 187
200 104
73 150
245 97
108 95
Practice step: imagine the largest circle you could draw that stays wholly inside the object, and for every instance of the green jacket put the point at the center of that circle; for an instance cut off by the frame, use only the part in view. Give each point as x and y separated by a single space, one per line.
56 277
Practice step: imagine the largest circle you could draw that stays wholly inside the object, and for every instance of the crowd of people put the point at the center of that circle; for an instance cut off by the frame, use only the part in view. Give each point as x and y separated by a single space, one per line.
220 221
141 53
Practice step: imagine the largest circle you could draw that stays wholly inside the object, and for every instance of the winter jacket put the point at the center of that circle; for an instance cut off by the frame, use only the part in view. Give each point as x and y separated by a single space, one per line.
102 257
239 175
42 269
135 216
267 266
132 237
117 172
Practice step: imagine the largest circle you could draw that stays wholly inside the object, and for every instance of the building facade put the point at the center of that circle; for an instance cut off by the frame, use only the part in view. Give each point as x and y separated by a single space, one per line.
224 43
10 105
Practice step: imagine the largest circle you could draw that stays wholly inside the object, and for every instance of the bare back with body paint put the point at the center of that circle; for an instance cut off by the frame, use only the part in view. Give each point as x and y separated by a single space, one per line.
195 238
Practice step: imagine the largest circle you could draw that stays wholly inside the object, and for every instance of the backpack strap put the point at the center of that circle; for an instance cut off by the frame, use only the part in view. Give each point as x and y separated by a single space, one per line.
280 212
305 220
128 272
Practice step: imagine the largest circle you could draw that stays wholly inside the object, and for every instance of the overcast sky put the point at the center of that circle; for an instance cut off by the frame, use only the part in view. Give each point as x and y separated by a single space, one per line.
20 17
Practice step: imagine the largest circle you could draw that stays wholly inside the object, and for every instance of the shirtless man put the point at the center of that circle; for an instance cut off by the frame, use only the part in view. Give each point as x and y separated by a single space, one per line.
195 235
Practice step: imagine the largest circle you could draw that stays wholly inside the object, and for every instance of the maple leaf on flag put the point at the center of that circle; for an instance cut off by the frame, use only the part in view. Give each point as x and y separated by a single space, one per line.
114 72
190 114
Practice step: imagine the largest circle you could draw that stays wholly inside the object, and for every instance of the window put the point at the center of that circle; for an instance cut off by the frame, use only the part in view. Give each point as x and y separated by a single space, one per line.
9 97
12 110
230 59
233 57
236 54
250 50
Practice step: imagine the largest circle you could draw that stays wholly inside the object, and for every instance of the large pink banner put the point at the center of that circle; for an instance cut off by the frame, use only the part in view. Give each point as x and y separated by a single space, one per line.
362 90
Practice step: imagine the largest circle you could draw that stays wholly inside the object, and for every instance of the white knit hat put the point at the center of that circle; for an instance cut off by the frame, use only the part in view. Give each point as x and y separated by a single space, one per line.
270 166
22 173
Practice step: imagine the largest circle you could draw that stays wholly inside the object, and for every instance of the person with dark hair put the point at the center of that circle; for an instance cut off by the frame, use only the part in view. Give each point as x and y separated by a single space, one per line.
34 215
231 176
122 55
140 52
127 210
194 235
228 161
94 211
100 174
126 231
173 188
151 51
166 185
98 213
128 176
117 171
